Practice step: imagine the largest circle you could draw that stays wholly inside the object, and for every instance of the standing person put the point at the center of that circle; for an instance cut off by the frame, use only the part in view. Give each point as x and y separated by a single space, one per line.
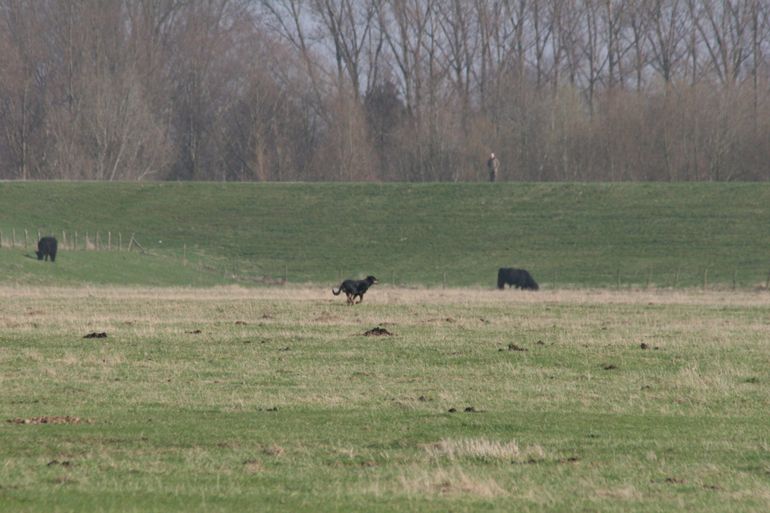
494 166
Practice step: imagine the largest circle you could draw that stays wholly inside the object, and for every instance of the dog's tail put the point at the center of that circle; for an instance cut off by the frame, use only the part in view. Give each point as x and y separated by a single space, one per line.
337 293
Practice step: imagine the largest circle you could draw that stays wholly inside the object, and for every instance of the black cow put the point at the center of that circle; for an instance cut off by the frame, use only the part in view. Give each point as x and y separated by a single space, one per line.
46 247
519 278
353 288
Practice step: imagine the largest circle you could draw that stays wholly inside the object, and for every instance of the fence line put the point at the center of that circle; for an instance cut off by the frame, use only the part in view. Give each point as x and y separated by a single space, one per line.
68 240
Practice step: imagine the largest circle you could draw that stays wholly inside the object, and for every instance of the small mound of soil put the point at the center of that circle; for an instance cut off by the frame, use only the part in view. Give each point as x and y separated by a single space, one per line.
95 334
64 463
514 347
377 332
56 419
194 332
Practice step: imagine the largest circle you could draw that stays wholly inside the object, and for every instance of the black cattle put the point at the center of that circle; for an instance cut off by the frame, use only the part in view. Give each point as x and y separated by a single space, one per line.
353 288
46 247
519 278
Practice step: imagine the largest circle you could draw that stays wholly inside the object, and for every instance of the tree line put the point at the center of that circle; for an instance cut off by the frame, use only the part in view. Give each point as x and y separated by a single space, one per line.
384 90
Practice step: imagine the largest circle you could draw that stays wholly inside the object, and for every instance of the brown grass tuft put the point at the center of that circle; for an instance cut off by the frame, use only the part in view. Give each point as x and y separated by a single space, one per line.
484 450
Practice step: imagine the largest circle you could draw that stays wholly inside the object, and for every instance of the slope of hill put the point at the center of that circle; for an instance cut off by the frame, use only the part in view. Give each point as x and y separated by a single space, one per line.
203 234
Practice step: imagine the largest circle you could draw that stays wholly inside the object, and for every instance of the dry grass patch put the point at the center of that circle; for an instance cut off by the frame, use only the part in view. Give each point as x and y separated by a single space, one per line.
385 294
253 466
626 493
483 449
449 482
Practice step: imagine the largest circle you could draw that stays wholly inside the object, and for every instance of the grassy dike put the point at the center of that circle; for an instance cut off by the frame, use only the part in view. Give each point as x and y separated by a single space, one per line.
583 235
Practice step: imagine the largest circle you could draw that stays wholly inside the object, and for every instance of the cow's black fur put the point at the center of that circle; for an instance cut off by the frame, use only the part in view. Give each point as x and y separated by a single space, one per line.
353 288
519 278
46 247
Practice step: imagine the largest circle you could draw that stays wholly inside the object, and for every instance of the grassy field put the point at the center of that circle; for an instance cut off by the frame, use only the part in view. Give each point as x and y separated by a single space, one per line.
272 399
568 235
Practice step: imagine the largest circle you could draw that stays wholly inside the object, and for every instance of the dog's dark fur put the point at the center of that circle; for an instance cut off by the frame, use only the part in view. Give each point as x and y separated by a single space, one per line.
519 278
353 288
46 247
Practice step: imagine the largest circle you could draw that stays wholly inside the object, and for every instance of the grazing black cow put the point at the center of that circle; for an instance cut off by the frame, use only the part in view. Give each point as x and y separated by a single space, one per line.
353 288
46 247
519 278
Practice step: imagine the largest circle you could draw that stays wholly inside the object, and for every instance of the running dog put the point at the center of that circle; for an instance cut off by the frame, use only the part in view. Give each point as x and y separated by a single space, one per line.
353 288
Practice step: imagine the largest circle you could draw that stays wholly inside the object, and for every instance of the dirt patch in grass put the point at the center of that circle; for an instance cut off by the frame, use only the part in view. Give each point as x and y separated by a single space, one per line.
378 332
253 466
273 450
65 463
55 419
96 334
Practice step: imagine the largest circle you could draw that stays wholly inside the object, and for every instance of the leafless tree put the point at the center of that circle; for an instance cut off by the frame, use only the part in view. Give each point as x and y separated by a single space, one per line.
384 89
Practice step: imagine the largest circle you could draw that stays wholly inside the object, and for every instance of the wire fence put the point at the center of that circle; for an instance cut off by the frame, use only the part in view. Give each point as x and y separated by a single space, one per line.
70 240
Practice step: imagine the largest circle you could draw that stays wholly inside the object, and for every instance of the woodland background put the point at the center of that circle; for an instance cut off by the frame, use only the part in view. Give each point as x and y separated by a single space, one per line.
385 90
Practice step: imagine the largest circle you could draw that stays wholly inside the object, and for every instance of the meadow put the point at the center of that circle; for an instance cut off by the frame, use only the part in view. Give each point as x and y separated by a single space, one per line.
221 374
273 399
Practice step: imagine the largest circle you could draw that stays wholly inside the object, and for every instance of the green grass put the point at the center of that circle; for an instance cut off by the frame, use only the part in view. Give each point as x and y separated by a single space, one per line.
585 235
280 403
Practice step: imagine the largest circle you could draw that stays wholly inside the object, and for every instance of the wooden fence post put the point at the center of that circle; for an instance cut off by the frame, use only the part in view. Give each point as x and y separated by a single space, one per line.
13 233
120 241
109 241
75 241
26 238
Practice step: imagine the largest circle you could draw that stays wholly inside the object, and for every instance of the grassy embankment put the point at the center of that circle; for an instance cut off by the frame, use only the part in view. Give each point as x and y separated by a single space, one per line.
586 235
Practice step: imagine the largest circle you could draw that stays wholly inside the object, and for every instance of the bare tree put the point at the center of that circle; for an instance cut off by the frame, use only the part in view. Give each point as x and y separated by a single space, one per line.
667 35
